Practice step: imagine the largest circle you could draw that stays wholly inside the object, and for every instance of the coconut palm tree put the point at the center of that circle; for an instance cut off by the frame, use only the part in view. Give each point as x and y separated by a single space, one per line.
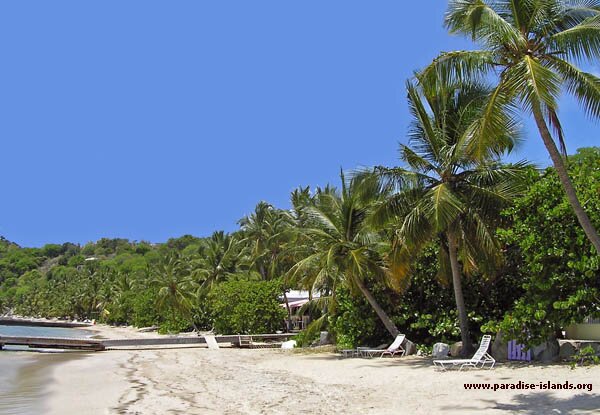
344 249
446 193
263 235
533 46
218 262
176 287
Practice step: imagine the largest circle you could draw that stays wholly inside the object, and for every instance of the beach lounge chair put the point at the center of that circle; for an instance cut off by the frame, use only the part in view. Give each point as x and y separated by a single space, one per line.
478 361
244 341
393 349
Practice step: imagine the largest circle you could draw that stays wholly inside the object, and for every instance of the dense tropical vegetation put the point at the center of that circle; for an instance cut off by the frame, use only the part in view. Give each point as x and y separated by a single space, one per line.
549 275
452 243
450 193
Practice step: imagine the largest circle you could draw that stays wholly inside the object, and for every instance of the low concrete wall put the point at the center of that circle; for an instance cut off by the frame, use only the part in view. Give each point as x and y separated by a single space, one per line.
586 331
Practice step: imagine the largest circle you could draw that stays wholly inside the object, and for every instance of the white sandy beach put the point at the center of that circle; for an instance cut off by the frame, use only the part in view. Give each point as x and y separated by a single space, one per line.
234 381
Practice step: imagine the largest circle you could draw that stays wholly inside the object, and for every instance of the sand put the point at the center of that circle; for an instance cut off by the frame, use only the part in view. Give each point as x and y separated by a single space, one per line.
235 381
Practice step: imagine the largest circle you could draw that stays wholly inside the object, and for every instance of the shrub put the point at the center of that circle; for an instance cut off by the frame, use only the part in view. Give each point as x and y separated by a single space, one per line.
246 307
559 268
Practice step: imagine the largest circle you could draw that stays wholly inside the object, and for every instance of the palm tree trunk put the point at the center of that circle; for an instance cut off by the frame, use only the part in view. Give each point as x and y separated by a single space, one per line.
387 322
463 319
561 170
289 312
262 271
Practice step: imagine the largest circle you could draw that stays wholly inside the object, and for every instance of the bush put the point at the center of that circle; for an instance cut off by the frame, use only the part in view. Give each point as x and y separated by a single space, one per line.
426 310
559 268
145 312
354 322
246 307
584 357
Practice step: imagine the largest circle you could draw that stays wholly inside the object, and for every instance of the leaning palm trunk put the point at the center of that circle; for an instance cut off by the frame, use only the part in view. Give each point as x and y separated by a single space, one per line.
463 319
387 322
561 170
289 311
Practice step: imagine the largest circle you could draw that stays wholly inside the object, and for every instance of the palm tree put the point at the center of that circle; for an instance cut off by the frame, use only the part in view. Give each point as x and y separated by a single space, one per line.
88 297
447 193
122 285
533 46
176 287
218 261
264 234
344 249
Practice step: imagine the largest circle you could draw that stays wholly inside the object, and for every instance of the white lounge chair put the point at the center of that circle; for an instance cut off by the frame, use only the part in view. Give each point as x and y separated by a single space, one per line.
393 349
479 359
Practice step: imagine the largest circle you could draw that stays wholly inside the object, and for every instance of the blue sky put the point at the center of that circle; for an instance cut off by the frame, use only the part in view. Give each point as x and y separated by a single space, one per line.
148 120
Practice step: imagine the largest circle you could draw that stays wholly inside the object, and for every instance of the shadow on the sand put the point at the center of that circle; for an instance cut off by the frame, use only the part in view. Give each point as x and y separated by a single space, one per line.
418 362
540 403
411 362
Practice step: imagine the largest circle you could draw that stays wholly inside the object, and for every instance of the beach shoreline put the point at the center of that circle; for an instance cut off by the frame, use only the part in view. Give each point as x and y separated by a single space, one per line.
235 381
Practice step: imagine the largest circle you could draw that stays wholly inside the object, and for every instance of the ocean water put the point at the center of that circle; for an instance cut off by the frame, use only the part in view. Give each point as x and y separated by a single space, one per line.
25 373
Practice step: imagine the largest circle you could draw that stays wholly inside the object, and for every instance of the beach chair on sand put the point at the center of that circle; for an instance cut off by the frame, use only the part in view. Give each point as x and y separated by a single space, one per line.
244 341
394 349
478 361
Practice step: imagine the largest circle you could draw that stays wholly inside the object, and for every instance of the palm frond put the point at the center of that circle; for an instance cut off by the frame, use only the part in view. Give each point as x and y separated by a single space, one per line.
443 207
533 83
444 273
496 130
414 160
461 66
482 22
582 85
323 218
580 42
565 14
556 126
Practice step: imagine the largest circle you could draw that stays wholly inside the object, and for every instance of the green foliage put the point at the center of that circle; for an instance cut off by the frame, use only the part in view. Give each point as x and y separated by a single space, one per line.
145 312
549 277
354 322
558 267
342 249
247 307
584 357
425 311
307 337
451 189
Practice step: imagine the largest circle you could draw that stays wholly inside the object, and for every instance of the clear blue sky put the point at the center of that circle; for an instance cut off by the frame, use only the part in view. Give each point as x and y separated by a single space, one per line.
148 120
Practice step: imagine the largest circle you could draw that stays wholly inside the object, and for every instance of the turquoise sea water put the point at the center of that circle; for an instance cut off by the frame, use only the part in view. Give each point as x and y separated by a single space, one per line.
25 373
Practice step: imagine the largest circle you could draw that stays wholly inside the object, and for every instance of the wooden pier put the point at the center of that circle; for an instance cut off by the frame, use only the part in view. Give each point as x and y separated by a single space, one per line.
52 343
256 341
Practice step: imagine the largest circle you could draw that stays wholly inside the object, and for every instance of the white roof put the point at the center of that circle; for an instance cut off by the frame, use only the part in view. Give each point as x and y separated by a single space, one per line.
293 295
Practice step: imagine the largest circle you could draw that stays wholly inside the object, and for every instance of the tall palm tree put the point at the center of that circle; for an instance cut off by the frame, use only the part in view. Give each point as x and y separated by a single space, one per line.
264 234
446 192
176 288
533 46
345 250
88 297
218 260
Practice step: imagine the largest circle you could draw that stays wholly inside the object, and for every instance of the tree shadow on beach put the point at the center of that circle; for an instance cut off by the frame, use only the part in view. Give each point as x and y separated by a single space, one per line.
541 403
410 362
